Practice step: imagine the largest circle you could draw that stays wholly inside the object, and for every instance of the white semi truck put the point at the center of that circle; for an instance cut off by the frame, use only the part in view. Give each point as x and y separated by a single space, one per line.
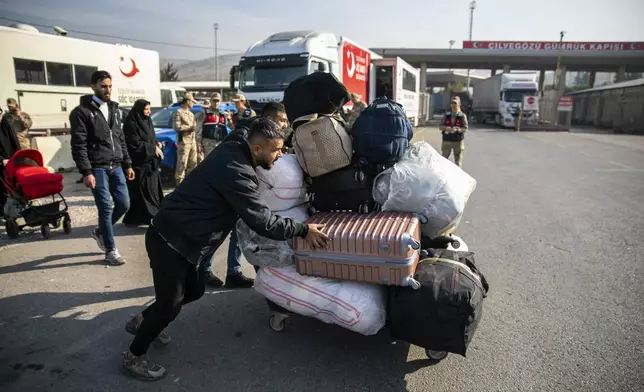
47 73
498 98
268 66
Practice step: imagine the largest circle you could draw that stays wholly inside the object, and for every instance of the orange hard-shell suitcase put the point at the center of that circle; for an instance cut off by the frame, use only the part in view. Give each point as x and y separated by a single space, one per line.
380 247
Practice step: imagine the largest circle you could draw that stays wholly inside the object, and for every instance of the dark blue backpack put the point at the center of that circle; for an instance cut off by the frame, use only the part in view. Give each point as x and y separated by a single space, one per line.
382 132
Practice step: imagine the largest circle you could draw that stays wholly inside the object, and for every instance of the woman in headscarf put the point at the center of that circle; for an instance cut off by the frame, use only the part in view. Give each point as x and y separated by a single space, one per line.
8 146
145 191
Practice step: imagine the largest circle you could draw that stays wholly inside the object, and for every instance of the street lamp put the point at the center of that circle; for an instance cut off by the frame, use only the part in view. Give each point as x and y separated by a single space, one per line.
216 26
472 7
451 43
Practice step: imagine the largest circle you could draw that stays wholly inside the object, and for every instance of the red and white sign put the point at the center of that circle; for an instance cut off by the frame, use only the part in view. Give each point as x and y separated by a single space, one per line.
530 103
127 66
564 104
554 45
355 69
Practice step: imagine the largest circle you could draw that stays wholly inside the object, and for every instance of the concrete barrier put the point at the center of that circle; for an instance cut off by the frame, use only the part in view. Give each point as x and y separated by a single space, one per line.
56 151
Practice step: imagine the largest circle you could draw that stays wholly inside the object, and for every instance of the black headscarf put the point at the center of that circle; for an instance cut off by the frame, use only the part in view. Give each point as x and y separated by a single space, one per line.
144 122
8 141
139 133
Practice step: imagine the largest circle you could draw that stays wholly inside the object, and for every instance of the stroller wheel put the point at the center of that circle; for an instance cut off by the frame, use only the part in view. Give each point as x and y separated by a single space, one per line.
67 224
46 231
435 355
12 228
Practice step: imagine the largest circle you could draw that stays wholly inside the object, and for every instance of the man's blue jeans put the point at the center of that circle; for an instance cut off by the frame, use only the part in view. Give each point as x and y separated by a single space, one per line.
234 254
110 185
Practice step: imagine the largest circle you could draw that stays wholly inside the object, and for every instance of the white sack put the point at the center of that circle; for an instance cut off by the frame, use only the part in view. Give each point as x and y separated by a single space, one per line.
264 252
425 182
359 307
283 186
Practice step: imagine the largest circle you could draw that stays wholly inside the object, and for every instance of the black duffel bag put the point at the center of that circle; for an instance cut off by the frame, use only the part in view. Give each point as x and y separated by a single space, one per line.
319 92
444 313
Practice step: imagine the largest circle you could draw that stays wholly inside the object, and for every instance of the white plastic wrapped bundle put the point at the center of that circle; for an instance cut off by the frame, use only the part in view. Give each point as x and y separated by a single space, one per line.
359 307
424 182
265 252
283 186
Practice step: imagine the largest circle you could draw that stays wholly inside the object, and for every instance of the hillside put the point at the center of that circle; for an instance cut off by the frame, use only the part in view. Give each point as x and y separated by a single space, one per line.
204 69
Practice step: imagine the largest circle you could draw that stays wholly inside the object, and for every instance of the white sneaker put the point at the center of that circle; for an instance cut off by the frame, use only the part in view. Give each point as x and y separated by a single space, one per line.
113 257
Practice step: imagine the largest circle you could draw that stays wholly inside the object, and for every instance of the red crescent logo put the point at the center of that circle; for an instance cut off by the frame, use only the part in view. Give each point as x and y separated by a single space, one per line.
476 45
634 46
132 72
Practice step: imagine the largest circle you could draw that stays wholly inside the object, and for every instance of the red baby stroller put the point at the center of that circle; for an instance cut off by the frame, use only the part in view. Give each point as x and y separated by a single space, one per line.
26 179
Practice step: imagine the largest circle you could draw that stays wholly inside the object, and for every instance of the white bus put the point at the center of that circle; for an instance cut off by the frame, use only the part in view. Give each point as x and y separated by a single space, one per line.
47 74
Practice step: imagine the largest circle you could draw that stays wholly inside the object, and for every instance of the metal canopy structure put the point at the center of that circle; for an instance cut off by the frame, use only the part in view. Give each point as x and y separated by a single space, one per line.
527 60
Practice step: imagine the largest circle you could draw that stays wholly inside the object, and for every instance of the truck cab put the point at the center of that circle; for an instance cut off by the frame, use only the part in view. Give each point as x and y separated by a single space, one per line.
514 87
268 66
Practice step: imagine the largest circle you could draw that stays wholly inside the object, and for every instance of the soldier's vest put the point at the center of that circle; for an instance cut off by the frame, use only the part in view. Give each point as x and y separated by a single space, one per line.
245 114
458 123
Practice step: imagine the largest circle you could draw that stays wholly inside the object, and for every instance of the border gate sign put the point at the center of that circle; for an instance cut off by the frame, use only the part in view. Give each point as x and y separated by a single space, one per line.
564 104
530 103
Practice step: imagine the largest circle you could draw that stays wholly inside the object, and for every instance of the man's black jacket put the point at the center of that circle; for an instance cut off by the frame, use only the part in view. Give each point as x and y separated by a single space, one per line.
200 213
96 142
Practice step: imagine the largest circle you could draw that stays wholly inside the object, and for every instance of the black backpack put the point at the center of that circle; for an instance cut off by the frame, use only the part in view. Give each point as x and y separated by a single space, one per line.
444 313
382 132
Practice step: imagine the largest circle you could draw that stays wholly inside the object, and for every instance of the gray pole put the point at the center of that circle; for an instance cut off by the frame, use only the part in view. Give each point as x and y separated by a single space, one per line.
472 7
216 25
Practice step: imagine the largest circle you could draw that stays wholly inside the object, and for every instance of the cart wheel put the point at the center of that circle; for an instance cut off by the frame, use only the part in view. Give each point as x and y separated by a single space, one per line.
12 228
435 355
46 231
277 322
67 225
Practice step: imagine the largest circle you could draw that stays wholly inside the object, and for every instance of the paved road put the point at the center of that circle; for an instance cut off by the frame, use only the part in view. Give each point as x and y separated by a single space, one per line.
557 221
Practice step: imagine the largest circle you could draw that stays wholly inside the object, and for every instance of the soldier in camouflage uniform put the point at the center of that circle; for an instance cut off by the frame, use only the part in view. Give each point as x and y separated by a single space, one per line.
243 109
358 107
218 118
20 122
453 128
185 125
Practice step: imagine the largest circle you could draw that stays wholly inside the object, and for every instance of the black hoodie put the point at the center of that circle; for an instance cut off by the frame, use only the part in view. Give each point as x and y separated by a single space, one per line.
96 142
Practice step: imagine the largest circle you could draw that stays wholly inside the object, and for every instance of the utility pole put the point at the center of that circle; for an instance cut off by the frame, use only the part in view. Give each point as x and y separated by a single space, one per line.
557 70
451 43
216 26
559 89
472 7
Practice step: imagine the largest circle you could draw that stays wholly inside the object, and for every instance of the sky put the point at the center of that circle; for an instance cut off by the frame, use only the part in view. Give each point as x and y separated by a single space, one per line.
381 23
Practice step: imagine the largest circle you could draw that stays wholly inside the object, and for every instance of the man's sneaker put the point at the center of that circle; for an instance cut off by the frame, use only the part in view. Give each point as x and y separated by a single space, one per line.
96 235
113 257
213 281
142 368
239 281
134 324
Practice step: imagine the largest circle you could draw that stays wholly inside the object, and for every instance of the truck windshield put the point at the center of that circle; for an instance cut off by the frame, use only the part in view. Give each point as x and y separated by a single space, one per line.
517 95
269 78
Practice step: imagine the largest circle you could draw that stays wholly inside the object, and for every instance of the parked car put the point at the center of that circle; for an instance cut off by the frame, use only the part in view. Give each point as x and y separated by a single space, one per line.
162 122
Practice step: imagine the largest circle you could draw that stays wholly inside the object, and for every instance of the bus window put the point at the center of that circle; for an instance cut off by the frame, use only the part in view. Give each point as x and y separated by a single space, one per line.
166 97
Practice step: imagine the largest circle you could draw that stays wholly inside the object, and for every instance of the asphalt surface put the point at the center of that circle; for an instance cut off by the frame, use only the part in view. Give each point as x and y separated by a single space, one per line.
557 221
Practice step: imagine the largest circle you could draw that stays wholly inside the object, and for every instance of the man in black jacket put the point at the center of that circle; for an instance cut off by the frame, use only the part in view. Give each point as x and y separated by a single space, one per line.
100 153
193 222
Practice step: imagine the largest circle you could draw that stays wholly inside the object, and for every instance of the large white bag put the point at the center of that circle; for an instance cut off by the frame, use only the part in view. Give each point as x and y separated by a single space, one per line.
265 252
424 182
283 186
359 307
